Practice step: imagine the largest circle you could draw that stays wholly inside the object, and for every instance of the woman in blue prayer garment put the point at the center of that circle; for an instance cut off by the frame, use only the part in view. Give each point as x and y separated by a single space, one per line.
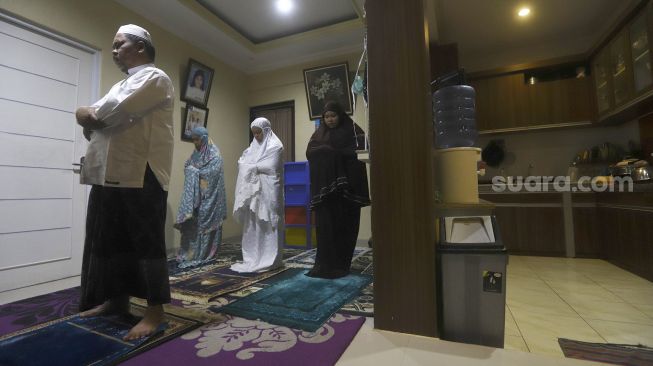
203 205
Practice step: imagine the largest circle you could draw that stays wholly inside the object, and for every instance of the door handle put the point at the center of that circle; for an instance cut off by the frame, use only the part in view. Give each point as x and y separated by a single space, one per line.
77 167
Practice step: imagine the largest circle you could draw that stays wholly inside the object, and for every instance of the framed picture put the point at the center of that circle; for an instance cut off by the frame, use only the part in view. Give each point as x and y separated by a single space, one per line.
194 117
325 84
198 83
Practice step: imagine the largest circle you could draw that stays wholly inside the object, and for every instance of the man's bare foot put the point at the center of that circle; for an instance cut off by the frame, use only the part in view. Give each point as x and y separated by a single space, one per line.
119 306
151 320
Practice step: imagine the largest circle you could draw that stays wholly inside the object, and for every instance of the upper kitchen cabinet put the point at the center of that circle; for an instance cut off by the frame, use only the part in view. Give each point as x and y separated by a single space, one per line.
623 81
620 69
638 33
602 82
514 101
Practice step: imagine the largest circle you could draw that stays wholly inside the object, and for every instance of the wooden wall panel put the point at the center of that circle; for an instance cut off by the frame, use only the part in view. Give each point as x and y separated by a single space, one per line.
401 179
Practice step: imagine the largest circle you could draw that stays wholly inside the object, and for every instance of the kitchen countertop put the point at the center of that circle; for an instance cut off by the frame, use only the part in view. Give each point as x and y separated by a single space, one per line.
487 188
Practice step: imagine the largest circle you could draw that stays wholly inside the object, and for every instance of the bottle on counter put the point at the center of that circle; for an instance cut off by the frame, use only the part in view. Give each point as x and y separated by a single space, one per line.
572 172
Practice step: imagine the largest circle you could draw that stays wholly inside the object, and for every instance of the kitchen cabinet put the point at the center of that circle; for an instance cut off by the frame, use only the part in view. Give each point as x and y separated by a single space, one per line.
530 223
501 102
602 82
640 53
586 236
625 231
614 226
623 80
507 102
620 69
585 225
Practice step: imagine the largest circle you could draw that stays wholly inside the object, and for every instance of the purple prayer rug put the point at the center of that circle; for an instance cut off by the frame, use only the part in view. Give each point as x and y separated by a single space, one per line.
243 342
36 310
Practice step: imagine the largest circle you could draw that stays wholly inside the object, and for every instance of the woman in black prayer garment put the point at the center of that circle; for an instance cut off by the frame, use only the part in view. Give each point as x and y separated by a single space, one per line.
338 191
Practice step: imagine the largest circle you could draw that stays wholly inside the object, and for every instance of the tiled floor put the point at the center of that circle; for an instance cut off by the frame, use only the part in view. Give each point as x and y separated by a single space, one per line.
582 299
547 298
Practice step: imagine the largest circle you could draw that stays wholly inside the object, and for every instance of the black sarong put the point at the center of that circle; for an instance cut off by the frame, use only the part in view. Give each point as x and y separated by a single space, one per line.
124 249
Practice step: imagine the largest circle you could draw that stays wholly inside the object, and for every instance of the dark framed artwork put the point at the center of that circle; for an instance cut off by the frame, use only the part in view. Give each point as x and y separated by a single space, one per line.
327 83
193 117
198 83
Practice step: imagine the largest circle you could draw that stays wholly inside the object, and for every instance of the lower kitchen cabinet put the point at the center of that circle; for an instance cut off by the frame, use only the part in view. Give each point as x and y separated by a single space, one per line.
586 235
626 233
617 227
585 225
530 223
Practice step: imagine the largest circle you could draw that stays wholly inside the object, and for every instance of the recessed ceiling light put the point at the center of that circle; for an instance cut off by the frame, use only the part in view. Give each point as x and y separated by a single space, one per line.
524 12
285 6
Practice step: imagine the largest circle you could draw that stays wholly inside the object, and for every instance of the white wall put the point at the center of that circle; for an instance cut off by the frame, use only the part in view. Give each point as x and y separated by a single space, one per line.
95 23
288 84
551 151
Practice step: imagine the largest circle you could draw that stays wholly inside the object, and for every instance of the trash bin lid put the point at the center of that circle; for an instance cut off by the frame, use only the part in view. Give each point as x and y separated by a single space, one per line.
469 230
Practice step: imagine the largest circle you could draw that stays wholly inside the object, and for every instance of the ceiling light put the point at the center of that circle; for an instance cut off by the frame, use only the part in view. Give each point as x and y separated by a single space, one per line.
523 12
285 6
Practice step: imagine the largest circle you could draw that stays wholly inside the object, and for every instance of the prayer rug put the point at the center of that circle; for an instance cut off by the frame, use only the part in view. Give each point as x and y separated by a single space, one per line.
299 301
204 286
361 263
363 304
35 310
84 341
242 342
618 354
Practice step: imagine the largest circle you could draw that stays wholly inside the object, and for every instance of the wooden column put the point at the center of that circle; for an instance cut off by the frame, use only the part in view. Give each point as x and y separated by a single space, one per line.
400 173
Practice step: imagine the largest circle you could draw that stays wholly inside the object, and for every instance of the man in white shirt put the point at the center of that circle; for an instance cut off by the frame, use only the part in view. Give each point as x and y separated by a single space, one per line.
128 162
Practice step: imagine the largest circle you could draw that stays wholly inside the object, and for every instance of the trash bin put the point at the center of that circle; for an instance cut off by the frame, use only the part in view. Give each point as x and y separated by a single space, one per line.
471 280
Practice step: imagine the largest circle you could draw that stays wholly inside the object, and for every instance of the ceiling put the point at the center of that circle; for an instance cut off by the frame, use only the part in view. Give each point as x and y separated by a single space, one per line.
493 25
259 21
252 36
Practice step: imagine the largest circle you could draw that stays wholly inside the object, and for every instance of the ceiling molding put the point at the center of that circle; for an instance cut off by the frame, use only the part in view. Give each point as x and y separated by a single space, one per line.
305 36
359 8
330 54
203 12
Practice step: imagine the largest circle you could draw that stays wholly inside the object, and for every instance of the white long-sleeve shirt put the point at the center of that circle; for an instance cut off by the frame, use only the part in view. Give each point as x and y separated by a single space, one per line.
137 112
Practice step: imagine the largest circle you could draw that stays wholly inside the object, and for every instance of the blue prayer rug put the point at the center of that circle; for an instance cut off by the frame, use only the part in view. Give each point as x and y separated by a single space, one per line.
299 301
73 340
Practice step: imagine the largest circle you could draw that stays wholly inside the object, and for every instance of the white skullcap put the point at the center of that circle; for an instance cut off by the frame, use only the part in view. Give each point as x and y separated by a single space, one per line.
136 31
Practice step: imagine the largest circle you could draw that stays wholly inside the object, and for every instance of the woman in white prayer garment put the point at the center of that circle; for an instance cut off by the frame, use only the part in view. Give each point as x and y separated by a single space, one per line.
259 200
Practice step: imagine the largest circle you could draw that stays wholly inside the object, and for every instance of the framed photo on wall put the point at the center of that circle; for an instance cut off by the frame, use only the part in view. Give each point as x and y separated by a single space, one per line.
327 83
193 117
198 83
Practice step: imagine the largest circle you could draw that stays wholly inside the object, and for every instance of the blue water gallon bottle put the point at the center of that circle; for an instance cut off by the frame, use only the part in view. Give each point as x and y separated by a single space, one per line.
454 116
